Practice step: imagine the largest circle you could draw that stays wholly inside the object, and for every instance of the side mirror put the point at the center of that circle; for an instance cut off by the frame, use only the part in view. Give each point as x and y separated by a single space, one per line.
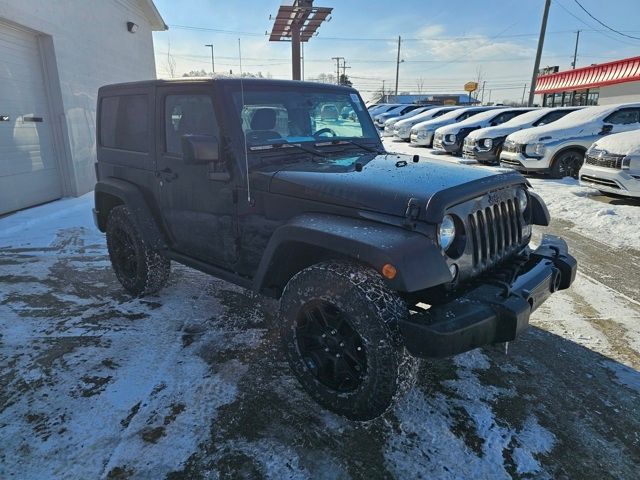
606 129
200 149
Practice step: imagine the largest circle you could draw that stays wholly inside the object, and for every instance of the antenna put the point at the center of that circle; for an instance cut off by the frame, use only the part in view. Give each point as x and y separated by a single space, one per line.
244 136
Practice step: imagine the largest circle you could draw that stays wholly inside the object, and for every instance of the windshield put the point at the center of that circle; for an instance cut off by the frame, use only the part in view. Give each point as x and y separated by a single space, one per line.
293 115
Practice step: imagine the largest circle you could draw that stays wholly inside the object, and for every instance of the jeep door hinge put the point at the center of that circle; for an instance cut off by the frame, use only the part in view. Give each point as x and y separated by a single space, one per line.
412 212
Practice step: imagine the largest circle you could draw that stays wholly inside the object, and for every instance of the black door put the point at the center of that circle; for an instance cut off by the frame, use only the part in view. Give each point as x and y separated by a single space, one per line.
198 211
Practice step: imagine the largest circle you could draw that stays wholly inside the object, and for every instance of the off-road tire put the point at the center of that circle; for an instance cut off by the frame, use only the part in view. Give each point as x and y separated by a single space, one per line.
567 164
373 312
140 269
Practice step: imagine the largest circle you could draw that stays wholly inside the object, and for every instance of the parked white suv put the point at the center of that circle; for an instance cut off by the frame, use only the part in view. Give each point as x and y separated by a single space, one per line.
422 133
402 128
450 138
612 164
559 148
485 144
389 125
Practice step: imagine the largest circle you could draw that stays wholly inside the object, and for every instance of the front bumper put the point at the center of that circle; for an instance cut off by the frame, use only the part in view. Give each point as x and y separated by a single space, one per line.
610 180
423 141
438 144
522 163
482 156
496 311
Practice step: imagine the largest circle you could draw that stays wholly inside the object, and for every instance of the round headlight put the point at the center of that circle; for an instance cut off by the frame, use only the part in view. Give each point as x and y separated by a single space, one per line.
487 143
450 137
446 232
523 201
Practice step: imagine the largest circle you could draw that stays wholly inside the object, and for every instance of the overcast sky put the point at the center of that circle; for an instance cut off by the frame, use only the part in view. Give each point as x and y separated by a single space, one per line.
445 42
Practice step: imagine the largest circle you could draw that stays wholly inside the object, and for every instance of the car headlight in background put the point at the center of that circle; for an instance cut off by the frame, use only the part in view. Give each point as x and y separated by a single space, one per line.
535 149
487 143
450 138
626 162
523 199
446 232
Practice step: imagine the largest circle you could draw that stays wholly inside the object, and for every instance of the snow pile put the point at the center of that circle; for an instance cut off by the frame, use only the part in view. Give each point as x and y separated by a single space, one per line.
613 225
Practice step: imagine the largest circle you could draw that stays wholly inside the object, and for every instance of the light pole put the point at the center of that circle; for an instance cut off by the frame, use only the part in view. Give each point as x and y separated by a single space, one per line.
213 68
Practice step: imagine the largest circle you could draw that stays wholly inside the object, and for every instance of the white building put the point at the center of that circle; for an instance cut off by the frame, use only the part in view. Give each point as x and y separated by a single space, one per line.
53 57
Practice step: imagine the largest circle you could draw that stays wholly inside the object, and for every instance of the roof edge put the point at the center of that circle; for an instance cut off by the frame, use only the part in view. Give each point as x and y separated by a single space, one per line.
153 15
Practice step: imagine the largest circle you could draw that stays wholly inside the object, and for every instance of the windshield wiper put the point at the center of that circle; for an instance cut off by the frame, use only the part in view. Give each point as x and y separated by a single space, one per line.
357 144
312 151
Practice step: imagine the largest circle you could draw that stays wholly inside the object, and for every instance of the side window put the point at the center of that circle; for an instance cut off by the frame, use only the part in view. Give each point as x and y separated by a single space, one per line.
124 122
624 116
504 117
464 116
550 117
185 114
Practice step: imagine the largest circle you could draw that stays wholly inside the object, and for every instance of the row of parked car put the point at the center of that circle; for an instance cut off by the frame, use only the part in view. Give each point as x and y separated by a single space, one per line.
599 145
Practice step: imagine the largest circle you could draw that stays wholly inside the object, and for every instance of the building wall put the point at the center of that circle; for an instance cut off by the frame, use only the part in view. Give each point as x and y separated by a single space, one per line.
620 93
84 44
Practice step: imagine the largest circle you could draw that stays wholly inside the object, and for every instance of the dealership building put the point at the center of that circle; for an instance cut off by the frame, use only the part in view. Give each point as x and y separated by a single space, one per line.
600 84
54 55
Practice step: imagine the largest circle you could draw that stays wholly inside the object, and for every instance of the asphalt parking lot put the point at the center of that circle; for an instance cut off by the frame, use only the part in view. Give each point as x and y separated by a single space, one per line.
190 383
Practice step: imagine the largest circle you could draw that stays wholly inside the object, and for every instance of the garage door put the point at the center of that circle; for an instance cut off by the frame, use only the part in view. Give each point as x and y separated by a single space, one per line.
28 171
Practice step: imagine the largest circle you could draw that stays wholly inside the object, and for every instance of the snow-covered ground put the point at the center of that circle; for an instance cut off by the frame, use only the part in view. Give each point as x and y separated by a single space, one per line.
615 223
190 383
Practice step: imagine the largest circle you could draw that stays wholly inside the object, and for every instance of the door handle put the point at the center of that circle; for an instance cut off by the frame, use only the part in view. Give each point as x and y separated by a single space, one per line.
167 174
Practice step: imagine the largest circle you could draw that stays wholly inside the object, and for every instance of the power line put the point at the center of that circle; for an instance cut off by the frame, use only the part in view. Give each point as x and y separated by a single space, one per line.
604 24
602 32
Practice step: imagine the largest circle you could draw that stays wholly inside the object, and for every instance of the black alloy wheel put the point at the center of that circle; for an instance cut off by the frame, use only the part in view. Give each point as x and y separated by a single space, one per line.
330 347
567 164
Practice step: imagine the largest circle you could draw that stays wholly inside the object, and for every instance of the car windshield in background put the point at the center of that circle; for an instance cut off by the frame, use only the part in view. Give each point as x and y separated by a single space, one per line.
296 115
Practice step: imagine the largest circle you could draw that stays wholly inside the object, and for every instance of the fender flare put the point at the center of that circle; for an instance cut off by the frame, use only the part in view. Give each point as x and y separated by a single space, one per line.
418 261
131 196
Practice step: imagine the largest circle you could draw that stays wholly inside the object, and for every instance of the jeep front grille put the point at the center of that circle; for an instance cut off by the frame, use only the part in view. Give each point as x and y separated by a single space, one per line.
602 159
495 232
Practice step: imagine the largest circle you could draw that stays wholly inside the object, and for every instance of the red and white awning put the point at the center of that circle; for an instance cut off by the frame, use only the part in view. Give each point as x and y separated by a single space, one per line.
620 71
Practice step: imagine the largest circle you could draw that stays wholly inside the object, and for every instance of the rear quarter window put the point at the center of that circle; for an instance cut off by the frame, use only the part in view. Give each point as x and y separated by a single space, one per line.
124 122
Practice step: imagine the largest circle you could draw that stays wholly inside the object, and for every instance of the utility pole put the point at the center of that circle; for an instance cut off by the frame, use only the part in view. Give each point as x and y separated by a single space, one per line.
337 59
302 59
398 64
383 93
213 67
484 82
524 90
536 66
489 100
344 68
575 52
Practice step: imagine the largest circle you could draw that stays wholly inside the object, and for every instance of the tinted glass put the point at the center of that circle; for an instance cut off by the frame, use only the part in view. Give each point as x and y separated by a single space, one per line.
623 117
300 115
187 114
551 117
124 122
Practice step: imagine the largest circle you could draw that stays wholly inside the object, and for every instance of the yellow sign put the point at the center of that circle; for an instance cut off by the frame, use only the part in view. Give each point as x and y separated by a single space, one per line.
470 86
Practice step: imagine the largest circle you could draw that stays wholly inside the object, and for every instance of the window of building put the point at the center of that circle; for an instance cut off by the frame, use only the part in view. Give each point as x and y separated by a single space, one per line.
124 123
187 114
592 96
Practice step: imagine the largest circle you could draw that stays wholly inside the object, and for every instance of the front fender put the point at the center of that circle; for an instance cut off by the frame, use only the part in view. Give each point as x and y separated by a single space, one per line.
130 195
418 261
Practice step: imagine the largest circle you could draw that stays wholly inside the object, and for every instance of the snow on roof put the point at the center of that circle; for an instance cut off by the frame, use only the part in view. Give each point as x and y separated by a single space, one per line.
625 143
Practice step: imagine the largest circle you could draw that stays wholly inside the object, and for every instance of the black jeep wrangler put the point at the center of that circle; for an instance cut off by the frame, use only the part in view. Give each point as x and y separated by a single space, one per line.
376 258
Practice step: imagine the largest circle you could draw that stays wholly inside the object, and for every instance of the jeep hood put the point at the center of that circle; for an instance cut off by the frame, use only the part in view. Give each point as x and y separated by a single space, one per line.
386 182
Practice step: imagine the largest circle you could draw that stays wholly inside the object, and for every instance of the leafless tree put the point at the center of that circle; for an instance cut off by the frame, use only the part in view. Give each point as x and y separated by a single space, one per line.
420 84
171 62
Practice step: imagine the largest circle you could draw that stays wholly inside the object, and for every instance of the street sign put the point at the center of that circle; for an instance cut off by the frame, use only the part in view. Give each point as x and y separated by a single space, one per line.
470 87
